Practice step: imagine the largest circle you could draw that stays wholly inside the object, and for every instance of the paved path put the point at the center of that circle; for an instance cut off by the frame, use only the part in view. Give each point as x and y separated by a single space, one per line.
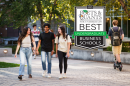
80 73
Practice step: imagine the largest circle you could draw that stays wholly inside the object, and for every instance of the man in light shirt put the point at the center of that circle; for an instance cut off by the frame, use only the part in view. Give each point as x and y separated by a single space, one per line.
36 34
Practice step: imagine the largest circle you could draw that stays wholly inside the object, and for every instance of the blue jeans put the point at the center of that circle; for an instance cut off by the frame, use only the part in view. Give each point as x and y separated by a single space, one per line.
43 59
25 52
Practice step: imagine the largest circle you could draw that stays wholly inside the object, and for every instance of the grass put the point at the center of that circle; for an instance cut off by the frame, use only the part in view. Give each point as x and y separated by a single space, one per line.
7 65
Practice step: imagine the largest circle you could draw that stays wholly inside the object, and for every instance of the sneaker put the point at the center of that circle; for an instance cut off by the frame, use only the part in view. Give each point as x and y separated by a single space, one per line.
20 77
34 56
60 77
49 76
120 65
44 73
64 76
30 76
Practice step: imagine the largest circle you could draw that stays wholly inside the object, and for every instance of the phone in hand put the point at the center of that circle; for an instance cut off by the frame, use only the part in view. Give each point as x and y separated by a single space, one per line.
66 56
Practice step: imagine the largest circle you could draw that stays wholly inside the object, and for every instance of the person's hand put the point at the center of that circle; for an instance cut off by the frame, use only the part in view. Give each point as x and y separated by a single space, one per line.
34 51
15 55
32 48
51 52
37 52
68 55
56 55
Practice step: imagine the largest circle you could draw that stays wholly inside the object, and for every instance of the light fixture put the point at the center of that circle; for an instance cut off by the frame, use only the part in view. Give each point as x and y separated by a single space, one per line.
5 51
71 52
92 54
107 19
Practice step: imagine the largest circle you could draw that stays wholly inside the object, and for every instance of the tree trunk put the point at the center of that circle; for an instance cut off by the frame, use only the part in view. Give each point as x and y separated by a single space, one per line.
54 15
39 8
124 7
53 9
50 15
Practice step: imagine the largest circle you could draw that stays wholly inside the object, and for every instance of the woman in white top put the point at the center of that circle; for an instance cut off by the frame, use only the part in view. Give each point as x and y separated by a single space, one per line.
25 40
62 49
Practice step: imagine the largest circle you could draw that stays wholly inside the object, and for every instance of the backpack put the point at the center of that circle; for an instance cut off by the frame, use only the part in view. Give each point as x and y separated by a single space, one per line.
115 38
66 38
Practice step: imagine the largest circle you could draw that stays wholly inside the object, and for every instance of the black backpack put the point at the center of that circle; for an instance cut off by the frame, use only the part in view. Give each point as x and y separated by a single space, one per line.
115 38
66 38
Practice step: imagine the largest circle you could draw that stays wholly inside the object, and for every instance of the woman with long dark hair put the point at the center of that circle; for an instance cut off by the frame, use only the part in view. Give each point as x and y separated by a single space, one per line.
24 41
62 49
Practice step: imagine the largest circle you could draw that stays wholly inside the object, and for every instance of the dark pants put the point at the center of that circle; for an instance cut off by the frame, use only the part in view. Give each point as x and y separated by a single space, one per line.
36 42
61 56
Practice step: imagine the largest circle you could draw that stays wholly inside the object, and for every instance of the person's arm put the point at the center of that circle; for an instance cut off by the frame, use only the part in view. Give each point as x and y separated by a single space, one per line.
33 41
56 41
52 47
68 46
110 37
39 42
53 44
52 37
56 49
18 46
122 37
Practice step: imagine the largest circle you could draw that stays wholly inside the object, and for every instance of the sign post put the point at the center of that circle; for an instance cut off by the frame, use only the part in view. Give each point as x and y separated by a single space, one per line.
90 27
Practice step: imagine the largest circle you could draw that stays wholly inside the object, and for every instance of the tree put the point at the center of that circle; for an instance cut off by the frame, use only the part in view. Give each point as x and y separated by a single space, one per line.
21 12
125 7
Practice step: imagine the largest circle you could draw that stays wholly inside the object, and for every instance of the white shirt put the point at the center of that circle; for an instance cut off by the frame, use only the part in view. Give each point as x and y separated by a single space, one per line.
26 42
62 44
36 34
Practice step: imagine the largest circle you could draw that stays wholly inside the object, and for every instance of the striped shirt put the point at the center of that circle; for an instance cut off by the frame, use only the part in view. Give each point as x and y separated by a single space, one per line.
36 34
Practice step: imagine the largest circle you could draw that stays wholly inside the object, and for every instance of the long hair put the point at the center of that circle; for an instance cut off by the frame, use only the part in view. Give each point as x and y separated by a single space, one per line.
51 30
62 30
23 34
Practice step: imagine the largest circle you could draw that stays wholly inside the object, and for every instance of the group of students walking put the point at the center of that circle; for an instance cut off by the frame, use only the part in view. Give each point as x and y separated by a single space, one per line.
46 39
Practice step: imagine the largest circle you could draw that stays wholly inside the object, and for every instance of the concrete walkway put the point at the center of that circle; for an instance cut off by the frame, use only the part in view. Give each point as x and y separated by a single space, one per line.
80 73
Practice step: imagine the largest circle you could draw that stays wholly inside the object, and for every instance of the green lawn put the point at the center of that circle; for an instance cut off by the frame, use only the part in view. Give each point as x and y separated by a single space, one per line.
6 65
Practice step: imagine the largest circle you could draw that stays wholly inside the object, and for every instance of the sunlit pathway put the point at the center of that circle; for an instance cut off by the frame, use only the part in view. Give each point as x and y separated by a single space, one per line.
79 73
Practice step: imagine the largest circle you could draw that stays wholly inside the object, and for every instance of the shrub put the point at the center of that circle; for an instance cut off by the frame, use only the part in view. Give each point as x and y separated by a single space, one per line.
125 47
109 48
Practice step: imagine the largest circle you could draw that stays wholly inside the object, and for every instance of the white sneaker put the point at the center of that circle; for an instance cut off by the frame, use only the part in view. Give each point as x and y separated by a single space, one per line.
44 73
60 77
64 76
49 76
34 56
